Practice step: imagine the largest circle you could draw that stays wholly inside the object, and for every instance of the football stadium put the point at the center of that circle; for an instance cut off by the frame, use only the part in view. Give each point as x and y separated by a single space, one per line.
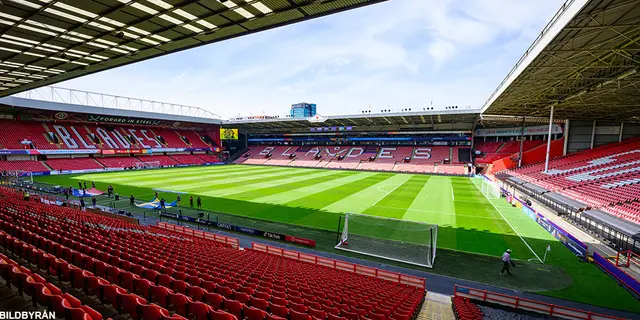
524 206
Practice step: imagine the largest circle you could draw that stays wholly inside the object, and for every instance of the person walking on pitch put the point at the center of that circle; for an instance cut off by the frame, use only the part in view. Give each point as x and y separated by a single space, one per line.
506 263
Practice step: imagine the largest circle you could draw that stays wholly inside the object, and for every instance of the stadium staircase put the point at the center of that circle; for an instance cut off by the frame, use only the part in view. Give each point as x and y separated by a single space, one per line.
436 307
148 272
237 155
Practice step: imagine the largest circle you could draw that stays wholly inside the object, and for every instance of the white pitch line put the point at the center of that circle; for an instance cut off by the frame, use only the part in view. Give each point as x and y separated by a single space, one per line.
453 198
440 213
510 225
374 204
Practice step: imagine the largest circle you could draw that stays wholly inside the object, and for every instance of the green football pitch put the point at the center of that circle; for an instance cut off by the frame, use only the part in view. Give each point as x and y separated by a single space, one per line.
472 229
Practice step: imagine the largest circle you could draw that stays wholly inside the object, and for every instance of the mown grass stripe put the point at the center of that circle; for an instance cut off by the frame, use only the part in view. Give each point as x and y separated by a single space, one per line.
295 194
433 203
192 177
115 176
395 204
184 176
286 188
358 202
205 183
322 199
260 181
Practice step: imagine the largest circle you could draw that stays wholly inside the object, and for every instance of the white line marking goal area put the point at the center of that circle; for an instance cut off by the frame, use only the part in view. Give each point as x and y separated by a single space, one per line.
509 223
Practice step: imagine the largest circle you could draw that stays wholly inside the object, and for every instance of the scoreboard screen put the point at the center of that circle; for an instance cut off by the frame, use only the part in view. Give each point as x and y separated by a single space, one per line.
228 134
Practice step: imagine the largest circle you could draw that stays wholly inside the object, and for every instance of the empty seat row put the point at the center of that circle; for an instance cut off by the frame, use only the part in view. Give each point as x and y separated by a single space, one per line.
174 271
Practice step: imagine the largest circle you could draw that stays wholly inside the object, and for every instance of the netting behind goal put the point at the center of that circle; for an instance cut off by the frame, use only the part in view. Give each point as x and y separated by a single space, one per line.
393 239
148 165
18 175
490 189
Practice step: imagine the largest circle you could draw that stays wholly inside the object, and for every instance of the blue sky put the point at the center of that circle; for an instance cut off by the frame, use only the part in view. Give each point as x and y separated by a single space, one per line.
393 55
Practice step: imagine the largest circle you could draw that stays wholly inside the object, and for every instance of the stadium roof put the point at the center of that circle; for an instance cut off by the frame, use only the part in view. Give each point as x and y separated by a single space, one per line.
47 41
433 120
585 62
19 105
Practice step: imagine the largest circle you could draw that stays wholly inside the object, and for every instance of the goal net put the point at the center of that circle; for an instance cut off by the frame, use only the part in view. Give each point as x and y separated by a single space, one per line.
393 239
16 175
148 165
490 189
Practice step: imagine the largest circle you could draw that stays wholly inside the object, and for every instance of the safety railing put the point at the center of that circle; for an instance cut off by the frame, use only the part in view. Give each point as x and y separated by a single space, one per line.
342 265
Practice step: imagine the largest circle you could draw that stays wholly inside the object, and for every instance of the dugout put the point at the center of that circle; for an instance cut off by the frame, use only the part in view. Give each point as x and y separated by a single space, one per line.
560 204
623 235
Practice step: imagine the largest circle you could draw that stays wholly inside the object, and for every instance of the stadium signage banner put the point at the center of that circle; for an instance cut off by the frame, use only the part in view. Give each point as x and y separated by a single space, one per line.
303 241
56 151
618 273
251 231
127 151
123 120
516 131
565 238
272 235
224 226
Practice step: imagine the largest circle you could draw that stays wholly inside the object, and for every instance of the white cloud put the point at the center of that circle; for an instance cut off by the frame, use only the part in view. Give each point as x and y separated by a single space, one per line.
391 54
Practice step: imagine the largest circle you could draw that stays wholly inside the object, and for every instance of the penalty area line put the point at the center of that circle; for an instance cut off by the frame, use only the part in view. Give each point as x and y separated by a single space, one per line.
510 225
386 194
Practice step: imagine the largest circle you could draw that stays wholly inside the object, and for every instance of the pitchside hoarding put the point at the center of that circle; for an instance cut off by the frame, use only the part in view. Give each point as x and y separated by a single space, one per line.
250 231
572 243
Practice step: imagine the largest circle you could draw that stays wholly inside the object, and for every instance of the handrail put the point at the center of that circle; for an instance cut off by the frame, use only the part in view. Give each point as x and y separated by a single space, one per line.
528 304
342 265
234 242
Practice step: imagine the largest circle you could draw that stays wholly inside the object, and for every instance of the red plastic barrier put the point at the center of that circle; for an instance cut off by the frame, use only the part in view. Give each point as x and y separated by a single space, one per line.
234 242
303 241
342 265
528 304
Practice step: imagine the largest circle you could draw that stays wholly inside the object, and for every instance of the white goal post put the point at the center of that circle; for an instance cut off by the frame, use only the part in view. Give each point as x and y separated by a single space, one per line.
148 165
393 239
490 189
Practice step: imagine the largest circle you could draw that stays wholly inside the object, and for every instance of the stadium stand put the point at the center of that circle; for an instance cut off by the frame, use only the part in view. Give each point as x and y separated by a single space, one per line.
187 159
492 151
148 272
37 135
162 160
118 162
170 138
606 177
385 158
466 310
449 169
37 288
308 156
193 138
209 158
24 135
73 164
23 165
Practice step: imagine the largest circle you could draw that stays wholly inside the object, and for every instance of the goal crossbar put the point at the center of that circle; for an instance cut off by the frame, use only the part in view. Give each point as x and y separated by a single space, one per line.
387 238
